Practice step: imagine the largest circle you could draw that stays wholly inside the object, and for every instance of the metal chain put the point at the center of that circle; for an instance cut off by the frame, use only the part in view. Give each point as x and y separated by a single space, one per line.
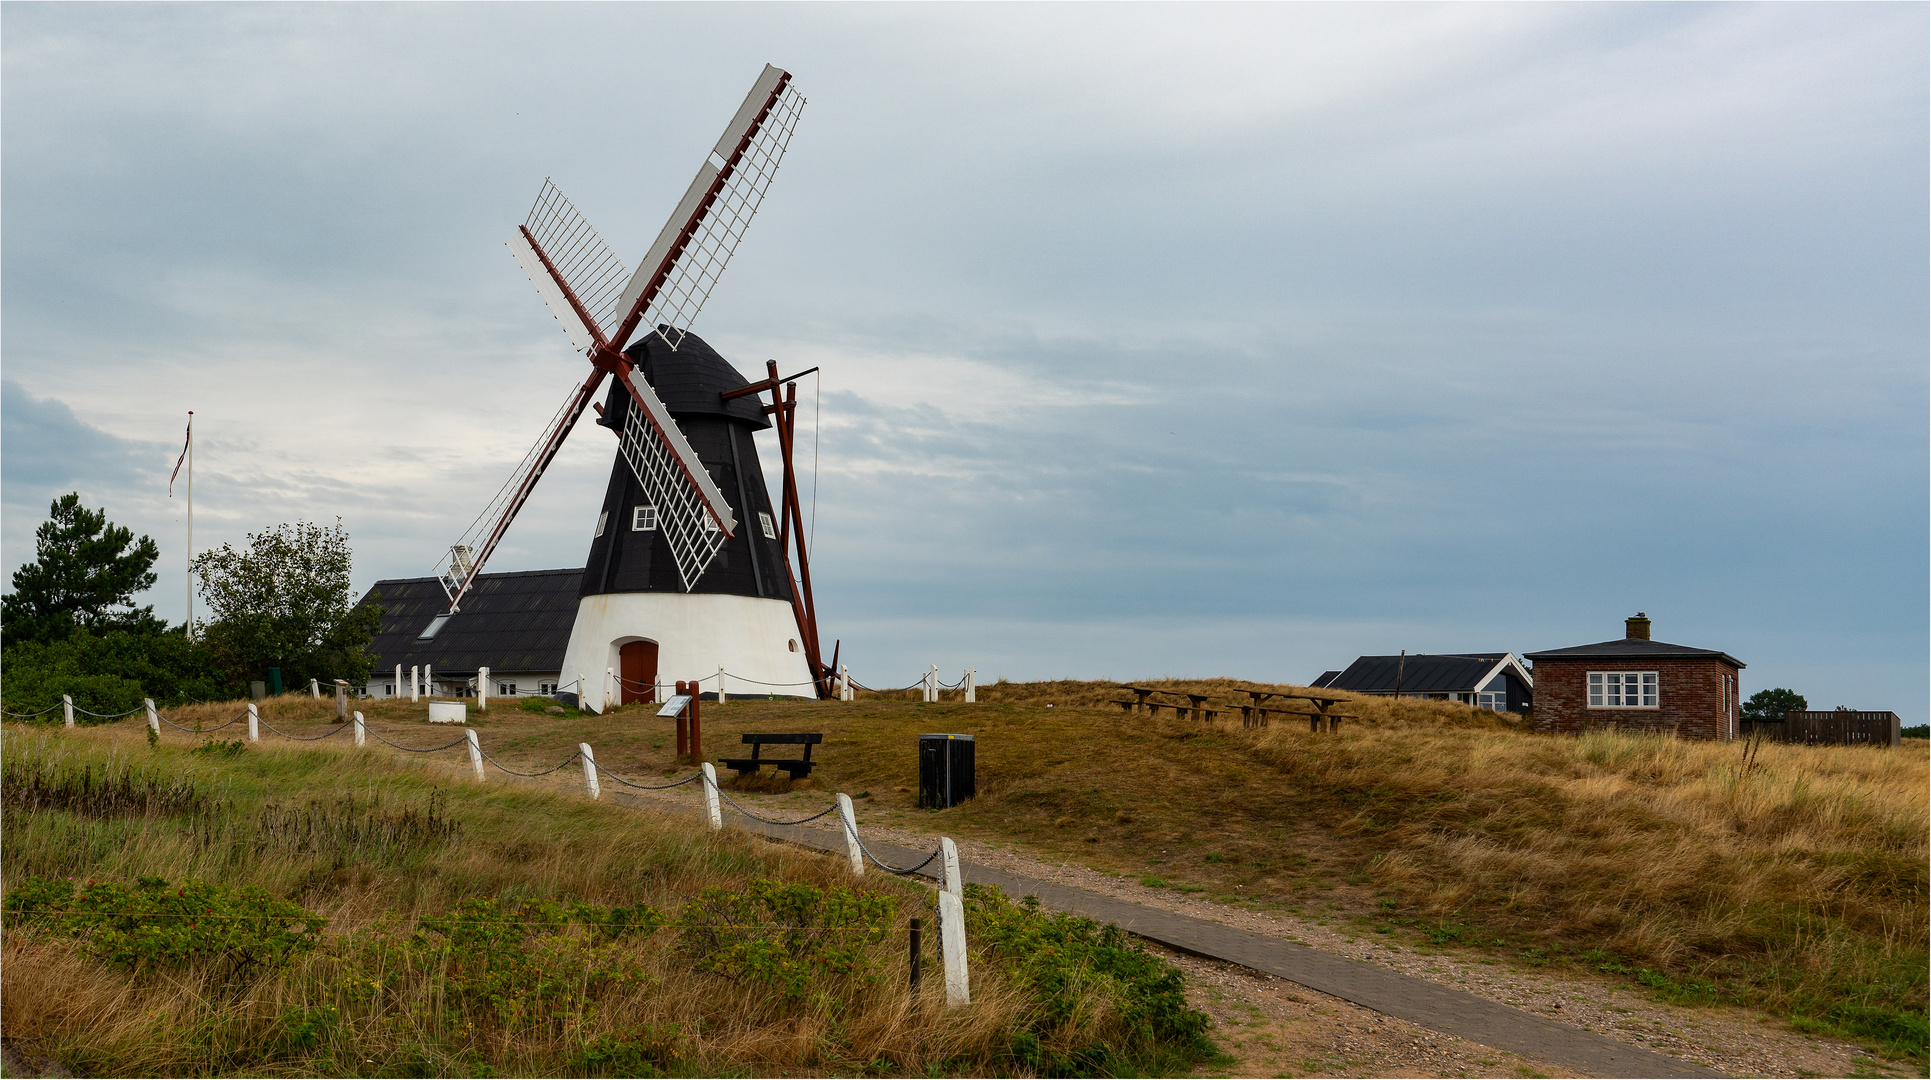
887 867
31 715
772 821
649 787
412 749
336 730
108 716
545 772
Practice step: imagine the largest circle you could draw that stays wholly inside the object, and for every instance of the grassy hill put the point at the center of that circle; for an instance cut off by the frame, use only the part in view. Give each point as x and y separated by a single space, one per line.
1783 877
212 907
1791 878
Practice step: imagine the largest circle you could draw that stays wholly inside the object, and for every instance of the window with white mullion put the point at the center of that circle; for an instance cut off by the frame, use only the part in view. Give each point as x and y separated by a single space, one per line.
1622 690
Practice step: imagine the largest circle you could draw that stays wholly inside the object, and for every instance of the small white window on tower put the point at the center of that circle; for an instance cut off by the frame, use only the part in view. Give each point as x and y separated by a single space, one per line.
710 524
643 519
602 520
770 530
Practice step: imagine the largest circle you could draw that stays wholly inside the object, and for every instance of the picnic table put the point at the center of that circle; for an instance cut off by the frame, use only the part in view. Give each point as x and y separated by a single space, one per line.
1256 714
1195 707
757 741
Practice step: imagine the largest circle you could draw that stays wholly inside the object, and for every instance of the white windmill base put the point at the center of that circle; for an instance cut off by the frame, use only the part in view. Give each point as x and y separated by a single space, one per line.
696 634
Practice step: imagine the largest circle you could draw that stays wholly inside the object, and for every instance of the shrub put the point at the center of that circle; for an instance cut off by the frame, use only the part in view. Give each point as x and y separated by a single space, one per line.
154 925
787 938
1101 1003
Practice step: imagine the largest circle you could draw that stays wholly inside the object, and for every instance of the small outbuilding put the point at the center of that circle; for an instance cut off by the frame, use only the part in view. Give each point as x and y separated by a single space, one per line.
1637 684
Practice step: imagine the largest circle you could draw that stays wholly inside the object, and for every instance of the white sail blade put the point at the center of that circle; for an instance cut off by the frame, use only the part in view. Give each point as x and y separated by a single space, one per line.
546 286
584 265
676 277
692 513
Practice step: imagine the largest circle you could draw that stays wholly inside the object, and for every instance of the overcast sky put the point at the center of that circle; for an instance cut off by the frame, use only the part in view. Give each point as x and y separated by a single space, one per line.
1184 340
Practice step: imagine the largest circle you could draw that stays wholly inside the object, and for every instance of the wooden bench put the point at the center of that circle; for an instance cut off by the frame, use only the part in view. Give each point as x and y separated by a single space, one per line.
1257 714
797 767
1195 707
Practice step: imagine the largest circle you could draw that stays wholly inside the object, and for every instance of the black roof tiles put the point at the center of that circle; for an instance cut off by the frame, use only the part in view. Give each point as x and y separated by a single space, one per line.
509 622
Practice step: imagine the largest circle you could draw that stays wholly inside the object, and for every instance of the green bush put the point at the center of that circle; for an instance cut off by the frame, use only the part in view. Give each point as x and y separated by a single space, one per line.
154 925
786 937
111 672
1065 961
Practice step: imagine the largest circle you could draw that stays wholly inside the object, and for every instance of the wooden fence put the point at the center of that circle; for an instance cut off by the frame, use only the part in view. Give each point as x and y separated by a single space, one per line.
1835 728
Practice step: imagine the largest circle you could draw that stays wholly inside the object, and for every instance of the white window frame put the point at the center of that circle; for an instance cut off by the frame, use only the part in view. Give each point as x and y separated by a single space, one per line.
1608 690
602 520
506 689
770 529
643 518
546 688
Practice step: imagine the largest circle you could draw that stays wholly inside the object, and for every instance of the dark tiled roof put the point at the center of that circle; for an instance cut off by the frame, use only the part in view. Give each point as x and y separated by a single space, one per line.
1327 679
690 380
509 622
1421 673
1630 649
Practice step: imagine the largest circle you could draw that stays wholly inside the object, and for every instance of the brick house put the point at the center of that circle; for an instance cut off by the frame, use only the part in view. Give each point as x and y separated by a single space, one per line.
1637 684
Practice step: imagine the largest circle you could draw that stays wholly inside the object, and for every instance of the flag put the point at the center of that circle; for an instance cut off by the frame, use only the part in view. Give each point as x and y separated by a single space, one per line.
184 454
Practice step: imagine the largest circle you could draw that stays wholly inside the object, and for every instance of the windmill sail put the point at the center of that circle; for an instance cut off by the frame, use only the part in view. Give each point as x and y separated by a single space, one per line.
677 274
676 483
587 288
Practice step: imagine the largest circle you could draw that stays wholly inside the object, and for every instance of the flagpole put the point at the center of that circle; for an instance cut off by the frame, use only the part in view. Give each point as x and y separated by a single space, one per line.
190 624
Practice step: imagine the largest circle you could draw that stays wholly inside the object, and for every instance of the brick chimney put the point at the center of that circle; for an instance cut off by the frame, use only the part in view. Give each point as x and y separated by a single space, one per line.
1637 629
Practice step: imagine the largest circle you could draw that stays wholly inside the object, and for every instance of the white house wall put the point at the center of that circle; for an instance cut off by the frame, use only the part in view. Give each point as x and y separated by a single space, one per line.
754 639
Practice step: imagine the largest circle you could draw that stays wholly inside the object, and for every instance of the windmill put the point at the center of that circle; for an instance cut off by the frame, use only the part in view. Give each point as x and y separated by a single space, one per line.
662 484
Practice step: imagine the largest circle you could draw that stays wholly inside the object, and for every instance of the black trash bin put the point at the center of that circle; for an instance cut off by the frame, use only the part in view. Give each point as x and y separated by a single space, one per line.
946 770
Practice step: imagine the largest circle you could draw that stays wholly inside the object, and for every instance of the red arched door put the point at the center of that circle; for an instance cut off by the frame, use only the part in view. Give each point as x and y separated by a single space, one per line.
637 664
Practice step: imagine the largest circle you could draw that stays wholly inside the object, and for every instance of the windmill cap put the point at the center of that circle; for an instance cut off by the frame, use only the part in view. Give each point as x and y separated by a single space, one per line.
690 379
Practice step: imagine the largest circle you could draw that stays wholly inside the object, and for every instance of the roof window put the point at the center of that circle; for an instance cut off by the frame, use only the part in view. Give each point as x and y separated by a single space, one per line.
435 625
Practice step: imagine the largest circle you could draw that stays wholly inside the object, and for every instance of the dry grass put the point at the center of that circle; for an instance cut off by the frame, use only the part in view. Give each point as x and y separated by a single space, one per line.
519 842
1798 883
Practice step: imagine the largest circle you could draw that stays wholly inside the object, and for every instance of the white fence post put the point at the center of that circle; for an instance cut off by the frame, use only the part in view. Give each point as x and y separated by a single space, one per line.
844 682
475 751
721 699
315 689
67 708
414 670
851 834
482 689
154 718
952 946
254 723
395 689
361 731
949 857
972 684
589 771
712 811
429 680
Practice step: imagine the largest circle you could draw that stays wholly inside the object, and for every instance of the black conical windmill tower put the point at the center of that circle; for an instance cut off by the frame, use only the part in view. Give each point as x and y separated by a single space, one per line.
689 572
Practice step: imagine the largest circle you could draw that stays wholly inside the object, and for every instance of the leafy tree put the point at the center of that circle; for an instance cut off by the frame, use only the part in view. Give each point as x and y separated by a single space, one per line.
1773 704
284 601
85 574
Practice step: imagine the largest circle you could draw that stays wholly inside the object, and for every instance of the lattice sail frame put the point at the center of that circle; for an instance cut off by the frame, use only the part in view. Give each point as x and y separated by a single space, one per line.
580 256
693 534
716 238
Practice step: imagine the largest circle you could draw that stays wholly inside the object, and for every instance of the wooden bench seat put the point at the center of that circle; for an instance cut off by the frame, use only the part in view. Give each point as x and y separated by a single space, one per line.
757 741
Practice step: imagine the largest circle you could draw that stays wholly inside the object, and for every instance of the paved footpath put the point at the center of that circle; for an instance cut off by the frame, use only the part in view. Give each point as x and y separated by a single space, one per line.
1418 1001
